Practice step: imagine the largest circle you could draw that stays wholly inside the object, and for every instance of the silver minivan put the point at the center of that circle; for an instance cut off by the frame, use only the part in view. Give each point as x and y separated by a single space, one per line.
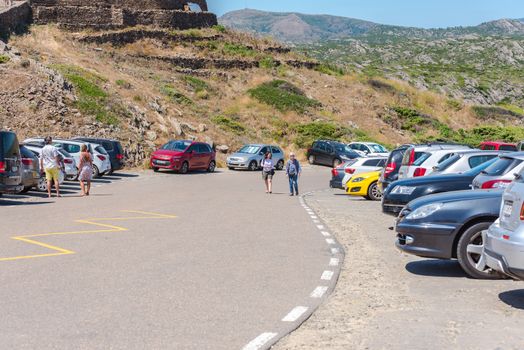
504 241
250 157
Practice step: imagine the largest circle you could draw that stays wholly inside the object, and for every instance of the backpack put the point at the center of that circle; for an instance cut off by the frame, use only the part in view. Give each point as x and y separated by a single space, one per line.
292 167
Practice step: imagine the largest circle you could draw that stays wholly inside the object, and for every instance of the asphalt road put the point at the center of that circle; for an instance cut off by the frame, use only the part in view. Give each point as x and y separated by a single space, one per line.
163 261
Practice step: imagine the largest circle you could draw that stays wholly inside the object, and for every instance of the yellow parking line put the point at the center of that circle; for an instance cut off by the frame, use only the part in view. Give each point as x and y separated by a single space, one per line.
62 251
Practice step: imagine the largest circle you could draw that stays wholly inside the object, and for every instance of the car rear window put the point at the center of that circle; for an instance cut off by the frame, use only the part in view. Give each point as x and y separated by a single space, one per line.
8 145
420 158
448 162
501 166
101 149
475 161
26 153
108 145
407 156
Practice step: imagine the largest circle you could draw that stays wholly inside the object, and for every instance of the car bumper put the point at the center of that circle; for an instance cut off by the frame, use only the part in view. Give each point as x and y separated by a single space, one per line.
166 164
336 184
360 190
117 165
238 165
11 189
503 255
427 240
392 209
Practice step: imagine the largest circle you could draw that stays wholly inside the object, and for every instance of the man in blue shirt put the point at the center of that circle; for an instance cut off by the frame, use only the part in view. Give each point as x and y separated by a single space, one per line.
293 171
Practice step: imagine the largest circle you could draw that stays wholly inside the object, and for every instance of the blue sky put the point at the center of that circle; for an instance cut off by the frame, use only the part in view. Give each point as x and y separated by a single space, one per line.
418 13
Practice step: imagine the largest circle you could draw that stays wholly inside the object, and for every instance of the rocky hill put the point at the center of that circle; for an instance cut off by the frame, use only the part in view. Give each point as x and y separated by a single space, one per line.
296 28
144 86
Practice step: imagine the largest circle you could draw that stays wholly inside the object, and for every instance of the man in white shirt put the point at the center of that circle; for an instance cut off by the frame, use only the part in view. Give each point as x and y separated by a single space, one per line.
49 161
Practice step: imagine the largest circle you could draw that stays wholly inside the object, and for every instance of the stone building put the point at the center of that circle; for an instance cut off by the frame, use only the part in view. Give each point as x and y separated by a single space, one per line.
100 14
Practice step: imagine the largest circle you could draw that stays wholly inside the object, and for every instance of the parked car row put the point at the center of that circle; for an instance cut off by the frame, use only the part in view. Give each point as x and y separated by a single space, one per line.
20 162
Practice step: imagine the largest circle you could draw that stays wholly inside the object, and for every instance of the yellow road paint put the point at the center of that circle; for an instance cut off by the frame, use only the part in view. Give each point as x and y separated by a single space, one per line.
93 221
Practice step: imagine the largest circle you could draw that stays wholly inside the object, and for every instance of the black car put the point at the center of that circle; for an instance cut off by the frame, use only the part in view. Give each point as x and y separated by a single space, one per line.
330 153
30 169
10 163
401 192
450 226
113 148
390 172
338 174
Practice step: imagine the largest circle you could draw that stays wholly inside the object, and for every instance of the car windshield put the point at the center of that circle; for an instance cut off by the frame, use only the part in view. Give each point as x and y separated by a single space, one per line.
249 149
8 145
378 148
501 166
179 146
341 148
448 162
480 168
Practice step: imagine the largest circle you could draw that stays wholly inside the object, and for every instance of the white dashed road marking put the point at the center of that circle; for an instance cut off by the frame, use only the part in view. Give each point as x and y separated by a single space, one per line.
330 241
325 234
320 227
295 314
260 341
319 292
327 275
335 251
334 262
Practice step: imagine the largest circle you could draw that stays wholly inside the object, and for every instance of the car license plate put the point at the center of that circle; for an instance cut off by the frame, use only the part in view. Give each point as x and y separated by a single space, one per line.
507 209
15 168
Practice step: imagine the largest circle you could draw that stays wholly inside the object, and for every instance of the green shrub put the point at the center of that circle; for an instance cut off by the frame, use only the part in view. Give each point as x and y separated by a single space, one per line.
283 96
491 112
4 59
229 124
415 121
92 99
268 63
238 50
170 91
474 137
197 84
306 134
330 69
220 28
455 104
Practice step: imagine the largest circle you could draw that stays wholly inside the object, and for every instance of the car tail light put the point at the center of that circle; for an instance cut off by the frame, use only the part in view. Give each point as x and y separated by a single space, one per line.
495 184
522 212
334 172
27 161
419 172
68 161
119 156
350 171
102 158
2 167
390 168
506 237
412 157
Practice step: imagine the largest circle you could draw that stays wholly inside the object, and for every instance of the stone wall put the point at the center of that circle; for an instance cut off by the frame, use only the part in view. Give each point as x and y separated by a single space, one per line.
121 13
14 19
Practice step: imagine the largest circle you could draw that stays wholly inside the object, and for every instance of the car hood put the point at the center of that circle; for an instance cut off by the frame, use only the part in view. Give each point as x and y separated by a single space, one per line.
426 180
167 153
456 196
241 155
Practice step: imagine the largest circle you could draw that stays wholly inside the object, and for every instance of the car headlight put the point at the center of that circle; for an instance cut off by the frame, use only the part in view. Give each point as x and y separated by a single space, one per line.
406 190
358 179
424 211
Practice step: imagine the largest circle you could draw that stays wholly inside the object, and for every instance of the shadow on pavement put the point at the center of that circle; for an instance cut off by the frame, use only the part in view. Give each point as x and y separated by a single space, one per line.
436 268
4 202
514 298
121 175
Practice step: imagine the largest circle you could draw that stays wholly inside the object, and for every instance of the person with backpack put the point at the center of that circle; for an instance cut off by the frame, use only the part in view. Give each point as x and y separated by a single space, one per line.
293 171
268 171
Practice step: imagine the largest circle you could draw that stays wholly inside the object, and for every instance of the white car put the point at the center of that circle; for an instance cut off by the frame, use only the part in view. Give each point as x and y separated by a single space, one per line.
101 161
420 160
363 165
70 167
369 149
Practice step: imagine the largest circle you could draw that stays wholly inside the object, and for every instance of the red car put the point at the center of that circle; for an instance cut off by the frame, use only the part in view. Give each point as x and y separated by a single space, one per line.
184 156
498 146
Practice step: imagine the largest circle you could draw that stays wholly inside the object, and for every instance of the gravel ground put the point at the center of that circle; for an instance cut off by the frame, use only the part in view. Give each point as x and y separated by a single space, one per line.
389 300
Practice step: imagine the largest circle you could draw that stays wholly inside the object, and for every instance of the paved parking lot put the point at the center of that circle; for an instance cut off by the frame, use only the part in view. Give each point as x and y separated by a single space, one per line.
389 300
156 261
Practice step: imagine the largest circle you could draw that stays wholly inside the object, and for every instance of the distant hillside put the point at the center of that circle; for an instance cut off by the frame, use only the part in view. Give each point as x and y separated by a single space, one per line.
301 28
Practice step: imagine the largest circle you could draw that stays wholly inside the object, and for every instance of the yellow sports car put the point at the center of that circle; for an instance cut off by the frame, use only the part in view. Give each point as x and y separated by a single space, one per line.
365 185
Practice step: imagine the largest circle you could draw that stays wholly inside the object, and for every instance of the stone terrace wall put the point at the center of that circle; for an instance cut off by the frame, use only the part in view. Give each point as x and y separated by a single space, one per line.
14 19
121 13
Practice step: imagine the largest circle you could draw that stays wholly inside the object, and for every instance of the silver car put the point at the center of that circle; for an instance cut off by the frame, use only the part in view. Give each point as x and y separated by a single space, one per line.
501 173
504 241
250 157
463 161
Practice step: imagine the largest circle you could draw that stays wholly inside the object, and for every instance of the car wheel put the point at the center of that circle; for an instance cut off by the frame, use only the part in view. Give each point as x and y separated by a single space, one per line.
336 162
253 166
280 165
42 185
26 189
230 168
96 172
156 170
212 166
185 168
374 193
311 159
469 253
